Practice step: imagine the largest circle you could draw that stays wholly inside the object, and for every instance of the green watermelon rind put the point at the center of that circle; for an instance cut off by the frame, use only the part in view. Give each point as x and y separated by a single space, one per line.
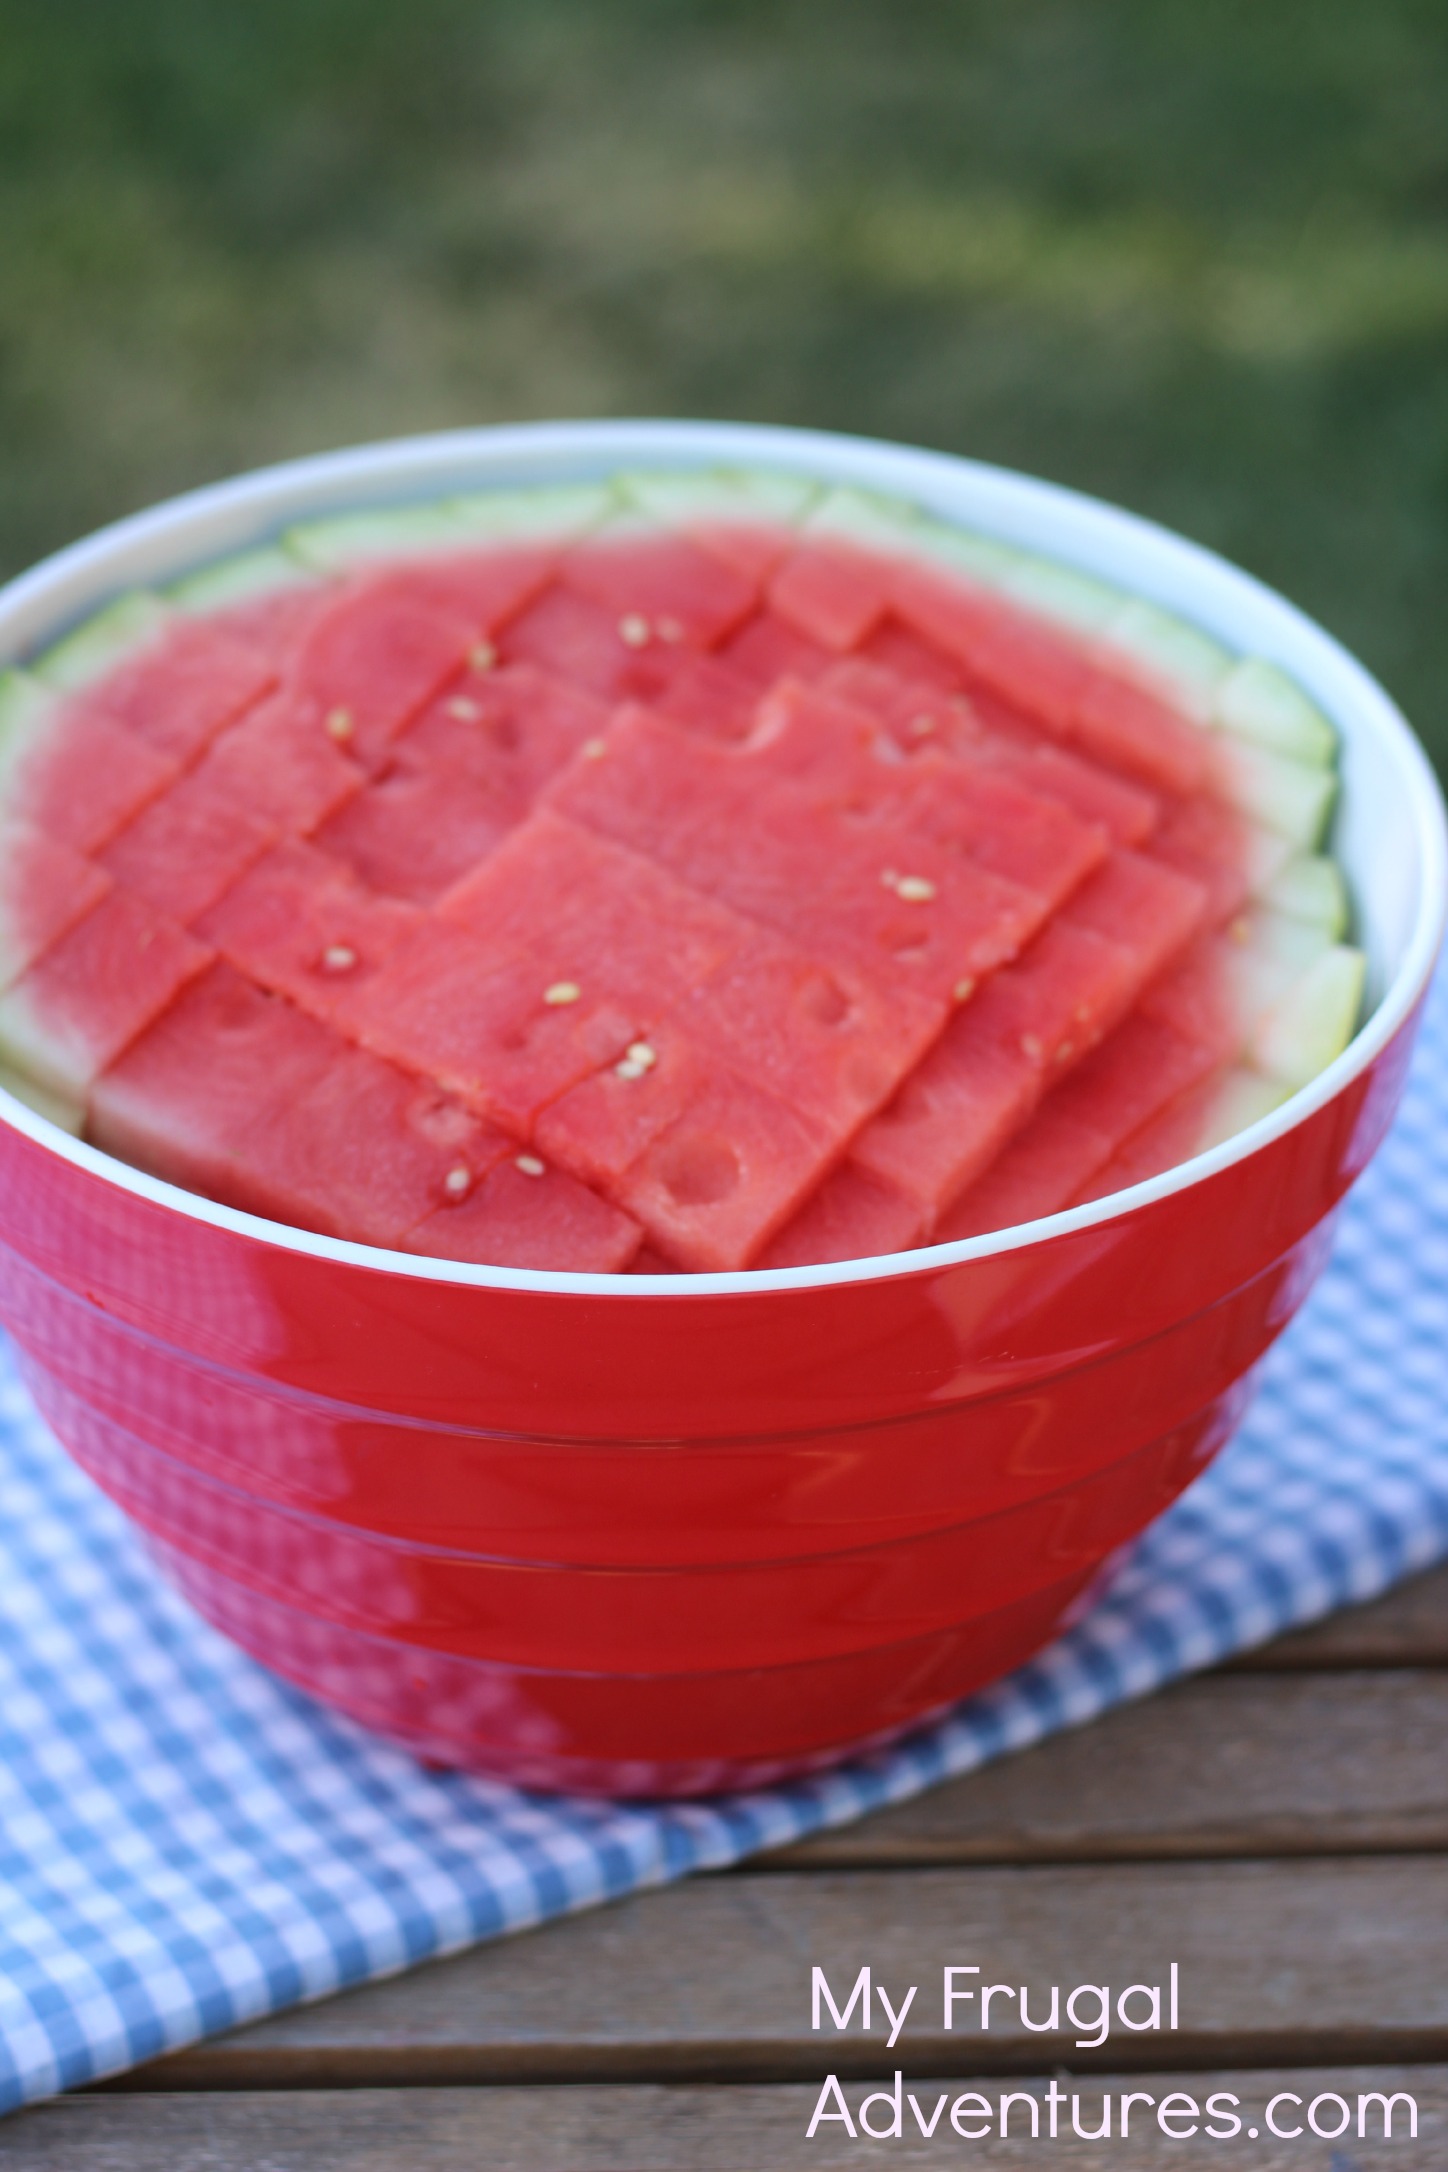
101 642
244 577
56 1108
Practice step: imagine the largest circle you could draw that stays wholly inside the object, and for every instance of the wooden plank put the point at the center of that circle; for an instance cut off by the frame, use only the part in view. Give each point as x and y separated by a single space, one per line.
1297 1961
713 2129
1406 1628
1227 1765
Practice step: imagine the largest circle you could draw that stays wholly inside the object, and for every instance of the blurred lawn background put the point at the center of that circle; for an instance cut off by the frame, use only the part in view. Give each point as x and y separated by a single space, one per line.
1191 256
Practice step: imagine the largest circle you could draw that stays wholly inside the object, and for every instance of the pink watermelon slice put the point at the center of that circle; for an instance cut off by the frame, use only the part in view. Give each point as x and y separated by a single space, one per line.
688 893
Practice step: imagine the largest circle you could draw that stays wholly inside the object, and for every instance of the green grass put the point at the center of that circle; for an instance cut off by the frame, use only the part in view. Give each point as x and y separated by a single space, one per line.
1190 255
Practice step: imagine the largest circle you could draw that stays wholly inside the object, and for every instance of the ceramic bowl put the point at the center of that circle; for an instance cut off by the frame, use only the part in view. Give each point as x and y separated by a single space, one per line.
663 1535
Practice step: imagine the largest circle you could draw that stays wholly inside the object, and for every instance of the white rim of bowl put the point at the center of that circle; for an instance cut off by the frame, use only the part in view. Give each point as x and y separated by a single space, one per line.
162 543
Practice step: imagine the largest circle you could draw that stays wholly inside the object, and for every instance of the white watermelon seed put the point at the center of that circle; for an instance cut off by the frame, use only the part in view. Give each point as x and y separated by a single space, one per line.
915 889
467 712
963 990
920 725
482 656
633 631
339 958
530 1165
457 1181
562 991
593 750
339 724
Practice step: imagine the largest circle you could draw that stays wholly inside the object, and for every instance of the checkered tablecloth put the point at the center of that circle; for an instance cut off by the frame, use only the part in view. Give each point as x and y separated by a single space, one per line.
187 1843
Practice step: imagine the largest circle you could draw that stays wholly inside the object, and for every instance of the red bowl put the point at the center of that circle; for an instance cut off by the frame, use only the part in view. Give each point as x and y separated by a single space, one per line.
658 1535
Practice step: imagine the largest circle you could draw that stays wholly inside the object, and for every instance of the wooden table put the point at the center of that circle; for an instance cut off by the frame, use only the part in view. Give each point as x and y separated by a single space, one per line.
1280 1828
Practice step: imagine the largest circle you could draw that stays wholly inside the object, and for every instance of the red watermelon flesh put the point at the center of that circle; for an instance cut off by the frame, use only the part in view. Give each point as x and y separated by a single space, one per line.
779 893
1147 908
79 777
534 1216
1126 812
1127 728
831 593
951 1117
706 694
1041 1171
466 773
662 584
752 548
298 924
221 1061
768 648
892 647
182 689
280 761
45 888
850 1216
485 588
915 711
187 847
369 662
92 991
578 639
834 752
716 1184
364 1152
895 905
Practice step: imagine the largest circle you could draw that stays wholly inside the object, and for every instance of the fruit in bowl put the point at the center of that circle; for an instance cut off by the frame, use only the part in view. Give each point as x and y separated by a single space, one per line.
691 901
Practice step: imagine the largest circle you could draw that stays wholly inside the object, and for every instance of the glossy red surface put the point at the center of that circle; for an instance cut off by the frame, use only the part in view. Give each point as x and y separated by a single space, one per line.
656 1542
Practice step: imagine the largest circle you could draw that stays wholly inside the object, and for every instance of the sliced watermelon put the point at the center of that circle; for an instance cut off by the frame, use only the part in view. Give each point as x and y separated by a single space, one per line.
1127 728
74 775
662 588
181 689
1126 812
460 778
951 1118
1147 908
1257 701
830 593
299 924
220 1062
281 761
1042 1170
187 847
769 647
716 1184
93 991
371 660
45 888
364 1152
850 1216
706 694
574 637
526 1214
1183 662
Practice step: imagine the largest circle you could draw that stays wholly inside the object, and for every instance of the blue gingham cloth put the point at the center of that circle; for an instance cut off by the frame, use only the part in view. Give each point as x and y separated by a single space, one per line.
187 1843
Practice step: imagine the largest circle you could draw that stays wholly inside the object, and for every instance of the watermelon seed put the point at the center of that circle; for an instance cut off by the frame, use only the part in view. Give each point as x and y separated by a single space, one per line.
467 712
593 750
339 724
1031 1046
458 1181
562 991
482 656
921 725
963 990
530 1165
338 958
915 889
638 1058
668 629
633 631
